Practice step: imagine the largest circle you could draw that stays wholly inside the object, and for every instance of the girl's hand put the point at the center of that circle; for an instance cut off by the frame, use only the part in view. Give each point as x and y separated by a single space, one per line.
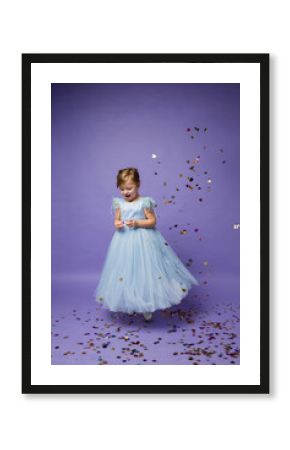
131 223
119 224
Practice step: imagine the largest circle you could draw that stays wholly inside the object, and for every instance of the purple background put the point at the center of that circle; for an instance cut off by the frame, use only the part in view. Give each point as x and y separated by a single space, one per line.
98 129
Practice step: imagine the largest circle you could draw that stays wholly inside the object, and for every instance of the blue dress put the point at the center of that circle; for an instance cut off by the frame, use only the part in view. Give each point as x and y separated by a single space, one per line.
141 272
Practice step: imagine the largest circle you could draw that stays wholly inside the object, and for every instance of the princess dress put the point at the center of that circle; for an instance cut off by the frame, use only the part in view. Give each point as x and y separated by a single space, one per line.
141 272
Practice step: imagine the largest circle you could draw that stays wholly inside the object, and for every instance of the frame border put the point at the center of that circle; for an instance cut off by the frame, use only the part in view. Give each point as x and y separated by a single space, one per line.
263 59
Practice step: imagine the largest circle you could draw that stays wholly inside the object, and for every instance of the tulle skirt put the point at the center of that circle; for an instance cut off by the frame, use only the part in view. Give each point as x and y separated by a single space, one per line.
142 273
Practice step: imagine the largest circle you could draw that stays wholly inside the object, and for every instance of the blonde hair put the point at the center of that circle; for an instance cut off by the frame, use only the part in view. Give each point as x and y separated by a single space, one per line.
130 173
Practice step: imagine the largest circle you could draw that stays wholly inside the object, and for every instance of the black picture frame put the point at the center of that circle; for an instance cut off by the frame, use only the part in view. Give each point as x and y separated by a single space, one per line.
210 59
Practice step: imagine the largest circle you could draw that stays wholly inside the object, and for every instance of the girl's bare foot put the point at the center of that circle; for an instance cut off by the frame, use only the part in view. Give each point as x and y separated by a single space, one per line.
147 316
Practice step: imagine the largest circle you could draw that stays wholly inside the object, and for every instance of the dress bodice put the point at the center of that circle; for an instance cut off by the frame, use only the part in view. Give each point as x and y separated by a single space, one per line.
133 210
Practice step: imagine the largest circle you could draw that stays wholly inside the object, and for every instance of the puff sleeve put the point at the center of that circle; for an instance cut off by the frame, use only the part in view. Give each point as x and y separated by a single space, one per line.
115 204
149 203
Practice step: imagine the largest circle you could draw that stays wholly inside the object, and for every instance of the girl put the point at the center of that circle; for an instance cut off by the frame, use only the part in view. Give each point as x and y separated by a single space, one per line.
141 272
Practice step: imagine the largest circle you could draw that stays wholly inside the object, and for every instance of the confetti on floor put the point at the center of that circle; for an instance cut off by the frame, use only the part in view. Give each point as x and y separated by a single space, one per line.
189 333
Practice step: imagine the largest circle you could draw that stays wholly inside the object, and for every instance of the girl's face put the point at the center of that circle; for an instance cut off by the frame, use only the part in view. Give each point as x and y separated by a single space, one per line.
129 190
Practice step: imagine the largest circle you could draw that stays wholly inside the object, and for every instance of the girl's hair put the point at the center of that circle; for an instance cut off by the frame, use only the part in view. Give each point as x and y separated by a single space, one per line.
128 174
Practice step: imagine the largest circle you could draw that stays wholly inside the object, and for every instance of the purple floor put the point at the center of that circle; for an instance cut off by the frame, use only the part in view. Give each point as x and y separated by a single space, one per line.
202 329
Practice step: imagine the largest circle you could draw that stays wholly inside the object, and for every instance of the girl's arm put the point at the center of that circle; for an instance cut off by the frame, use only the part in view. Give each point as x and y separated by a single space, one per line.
117 219
150 220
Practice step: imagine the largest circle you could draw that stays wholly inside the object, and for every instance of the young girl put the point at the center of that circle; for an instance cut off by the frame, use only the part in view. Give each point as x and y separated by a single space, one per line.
141 272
